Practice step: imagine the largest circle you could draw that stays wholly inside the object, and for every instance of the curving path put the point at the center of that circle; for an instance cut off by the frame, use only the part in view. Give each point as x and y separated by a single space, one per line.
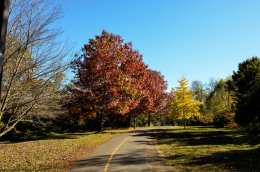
129 152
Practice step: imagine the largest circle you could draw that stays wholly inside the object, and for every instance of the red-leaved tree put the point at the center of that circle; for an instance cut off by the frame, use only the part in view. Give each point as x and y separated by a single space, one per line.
154 93
108 77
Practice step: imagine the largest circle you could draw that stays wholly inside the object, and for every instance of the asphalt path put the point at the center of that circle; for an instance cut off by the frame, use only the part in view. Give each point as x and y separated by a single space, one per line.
130 152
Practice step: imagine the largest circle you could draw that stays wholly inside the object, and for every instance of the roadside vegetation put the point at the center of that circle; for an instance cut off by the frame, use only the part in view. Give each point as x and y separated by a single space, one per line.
209 149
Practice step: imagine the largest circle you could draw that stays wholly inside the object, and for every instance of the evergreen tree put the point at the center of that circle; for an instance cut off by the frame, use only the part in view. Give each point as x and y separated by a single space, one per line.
245 86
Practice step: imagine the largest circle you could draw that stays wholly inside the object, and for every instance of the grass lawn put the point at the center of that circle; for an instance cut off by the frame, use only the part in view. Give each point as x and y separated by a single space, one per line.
55 154
209 149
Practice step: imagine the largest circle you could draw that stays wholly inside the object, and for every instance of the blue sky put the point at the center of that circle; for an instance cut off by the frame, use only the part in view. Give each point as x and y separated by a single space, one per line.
198 39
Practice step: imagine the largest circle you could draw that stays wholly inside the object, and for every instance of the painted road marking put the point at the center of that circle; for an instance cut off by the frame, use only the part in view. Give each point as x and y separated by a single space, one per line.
111 156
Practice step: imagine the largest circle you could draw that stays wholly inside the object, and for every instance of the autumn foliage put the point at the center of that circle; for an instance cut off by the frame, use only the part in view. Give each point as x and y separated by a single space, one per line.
184 107
112 79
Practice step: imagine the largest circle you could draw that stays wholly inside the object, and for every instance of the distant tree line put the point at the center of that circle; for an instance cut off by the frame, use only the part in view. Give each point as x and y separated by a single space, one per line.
231 102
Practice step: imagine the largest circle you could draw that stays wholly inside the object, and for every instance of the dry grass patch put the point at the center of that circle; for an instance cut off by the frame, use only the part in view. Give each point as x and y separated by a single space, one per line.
51 155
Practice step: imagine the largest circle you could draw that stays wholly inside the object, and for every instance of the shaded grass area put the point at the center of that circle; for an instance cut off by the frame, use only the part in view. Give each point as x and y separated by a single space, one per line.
56 153
209 149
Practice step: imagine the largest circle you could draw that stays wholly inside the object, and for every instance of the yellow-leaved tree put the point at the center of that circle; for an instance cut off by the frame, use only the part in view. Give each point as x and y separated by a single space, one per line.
184 107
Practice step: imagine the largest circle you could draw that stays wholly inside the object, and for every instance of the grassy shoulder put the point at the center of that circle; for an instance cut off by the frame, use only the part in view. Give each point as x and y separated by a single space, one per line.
209 149
55 154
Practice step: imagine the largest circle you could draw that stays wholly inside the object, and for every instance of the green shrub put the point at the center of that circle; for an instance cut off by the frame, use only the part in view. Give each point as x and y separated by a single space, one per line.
224 119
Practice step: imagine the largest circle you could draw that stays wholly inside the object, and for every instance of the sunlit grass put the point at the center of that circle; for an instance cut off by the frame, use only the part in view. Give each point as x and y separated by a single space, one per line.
51 155
209 149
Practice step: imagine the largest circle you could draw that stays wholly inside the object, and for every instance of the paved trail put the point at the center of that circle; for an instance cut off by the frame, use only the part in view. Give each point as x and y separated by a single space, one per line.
129 152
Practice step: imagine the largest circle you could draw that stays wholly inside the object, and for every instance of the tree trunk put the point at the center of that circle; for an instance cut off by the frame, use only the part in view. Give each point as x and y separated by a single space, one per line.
228 99
101 123
134 120
4 10
149 119
129 120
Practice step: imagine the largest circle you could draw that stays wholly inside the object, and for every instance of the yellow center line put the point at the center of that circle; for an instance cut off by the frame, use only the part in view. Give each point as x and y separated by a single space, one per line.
111 156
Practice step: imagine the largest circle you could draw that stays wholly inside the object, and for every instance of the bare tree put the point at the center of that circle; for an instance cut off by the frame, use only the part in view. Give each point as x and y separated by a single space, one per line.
32 65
